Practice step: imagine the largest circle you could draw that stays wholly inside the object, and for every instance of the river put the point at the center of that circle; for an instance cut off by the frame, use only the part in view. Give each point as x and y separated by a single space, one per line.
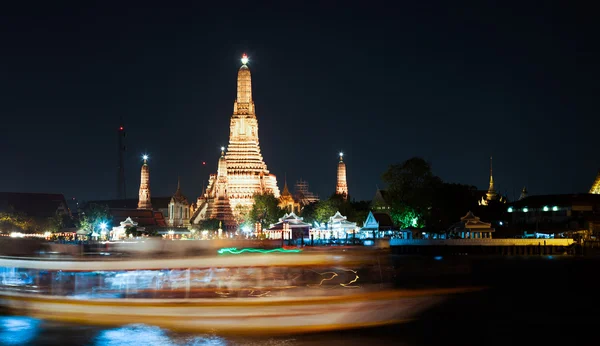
531 300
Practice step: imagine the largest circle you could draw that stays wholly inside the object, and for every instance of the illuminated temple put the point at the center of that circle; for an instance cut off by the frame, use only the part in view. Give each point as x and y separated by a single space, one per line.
242 171
595 189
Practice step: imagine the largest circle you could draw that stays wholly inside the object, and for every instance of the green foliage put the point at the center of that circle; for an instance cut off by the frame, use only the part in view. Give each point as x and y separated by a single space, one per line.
324 210
406 216
209 225
92 216
265 210
241 214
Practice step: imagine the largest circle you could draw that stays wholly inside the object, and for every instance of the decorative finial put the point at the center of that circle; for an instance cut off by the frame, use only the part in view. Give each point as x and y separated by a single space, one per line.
244 59
145 158
341 156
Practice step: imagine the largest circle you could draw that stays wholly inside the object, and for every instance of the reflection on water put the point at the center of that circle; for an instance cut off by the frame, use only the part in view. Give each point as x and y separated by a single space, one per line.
151 336
17 330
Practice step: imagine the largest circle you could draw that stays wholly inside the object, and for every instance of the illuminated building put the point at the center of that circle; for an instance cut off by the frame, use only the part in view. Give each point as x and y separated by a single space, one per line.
341 187
548 215
144 194
245 172
380 225
596 185
338 227
179 209
290 226
491 194
287 202
471 227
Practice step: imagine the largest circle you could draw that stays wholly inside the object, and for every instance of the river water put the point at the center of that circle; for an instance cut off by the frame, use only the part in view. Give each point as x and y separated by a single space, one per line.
531 300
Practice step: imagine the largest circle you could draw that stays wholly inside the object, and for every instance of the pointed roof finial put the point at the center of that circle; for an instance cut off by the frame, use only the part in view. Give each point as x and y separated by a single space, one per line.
244 59
145 158
178 183
222 151
341 156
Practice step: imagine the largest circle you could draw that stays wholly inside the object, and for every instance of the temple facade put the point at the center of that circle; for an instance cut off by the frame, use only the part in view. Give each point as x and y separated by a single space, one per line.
144 201
341 188
179 209
287 202
242 170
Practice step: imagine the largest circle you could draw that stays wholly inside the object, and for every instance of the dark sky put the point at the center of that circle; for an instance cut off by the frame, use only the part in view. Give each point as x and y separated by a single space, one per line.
453 82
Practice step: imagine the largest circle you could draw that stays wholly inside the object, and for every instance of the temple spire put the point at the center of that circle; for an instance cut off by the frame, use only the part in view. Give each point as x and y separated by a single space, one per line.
341 187
144 201
491 194
244 86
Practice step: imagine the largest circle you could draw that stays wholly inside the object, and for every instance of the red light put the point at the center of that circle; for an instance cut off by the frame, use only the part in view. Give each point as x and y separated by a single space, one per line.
121 128
203 162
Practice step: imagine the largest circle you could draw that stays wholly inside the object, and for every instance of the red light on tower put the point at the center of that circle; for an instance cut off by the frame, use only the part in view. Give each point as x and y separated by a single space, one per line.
121 128
203 162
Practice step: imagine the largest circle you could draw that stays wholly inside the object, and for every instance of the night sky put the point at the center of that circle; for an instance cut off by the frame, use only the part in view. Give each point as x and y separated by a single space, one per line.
452 82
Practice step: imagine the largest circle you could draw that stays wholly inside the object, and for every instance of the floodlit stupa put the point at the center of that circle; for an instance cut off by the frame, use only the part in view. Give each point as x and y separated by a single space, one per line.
246 173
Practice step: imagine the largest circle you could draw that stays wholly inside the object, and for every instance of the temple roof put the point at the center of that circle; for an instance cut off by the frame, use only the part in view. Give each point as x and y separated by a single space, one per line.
371 222
144 217
338 217
293 220
178 196
471 221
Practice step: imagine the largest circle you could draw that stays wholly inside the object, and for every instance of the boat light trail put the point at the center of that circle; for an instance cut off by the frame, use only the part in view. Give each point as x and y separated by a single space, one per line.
235 251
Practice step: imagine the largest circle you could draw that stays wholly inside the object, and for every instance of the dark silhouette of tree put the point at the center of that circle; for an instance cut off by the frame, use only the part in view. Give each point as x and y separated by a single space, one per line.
265 210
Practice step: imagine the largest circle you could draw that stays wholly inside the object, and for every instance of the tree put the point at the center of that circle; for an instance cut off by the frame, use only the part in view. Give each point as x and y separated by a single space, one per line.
241 214
12 221
324 210
411 191
308 212
412 183
361 211
93 216
265 210
450 203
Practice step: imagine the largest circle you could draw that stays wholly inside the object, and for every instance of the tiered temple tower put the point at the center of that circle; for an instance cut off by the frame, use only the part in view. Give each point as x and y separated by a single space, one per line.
246 173
595 189
144 196
342 187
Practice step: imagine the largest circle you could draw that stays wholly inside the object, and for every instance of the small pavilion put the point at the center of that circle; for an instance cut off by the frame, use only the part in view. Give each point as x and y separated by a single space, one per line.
290 226
471 227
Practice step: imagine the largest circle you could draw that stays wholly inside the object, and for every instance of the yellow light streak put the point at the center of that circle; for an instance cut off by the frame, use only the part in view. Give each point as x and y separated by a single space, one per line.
333 274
